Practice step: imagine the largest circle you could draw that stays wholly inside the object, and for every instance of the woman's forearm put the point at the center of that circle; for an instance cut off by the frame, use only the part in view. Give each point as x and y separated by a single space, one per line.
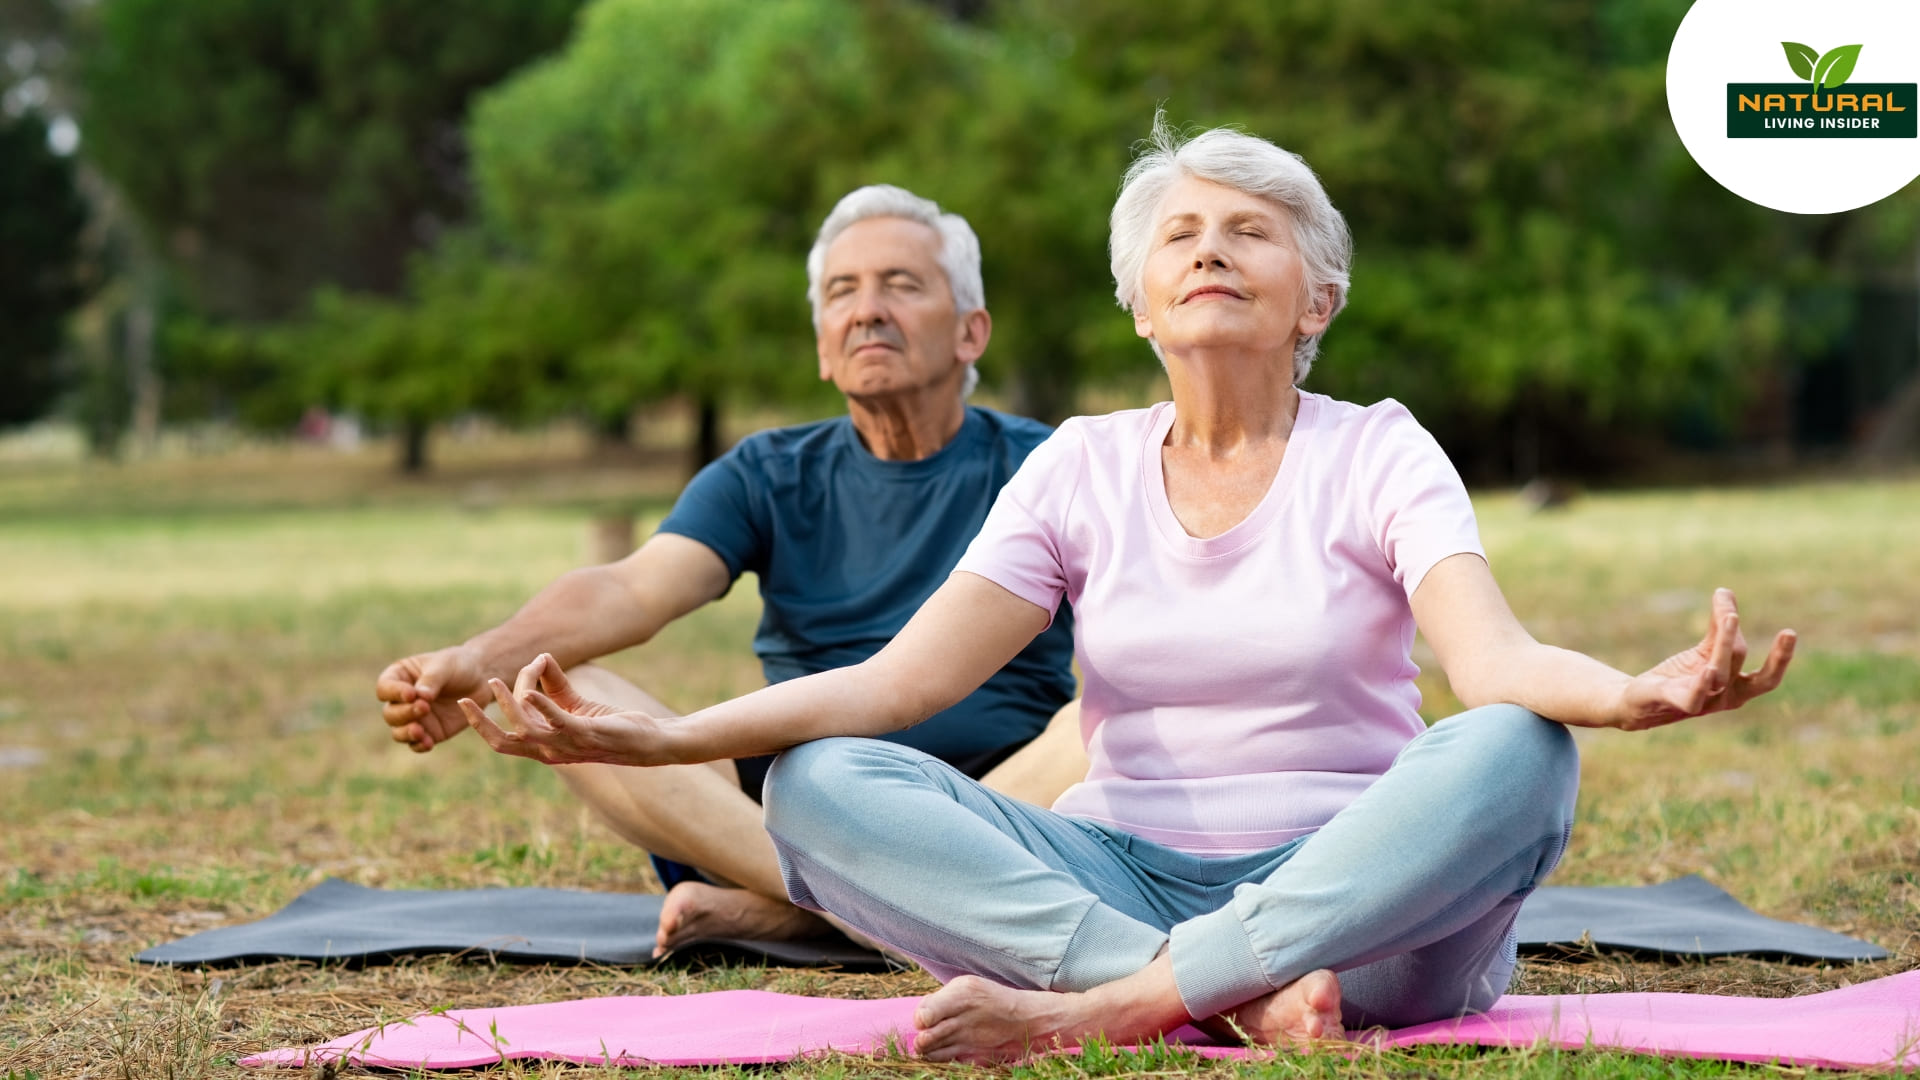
853 700
964 633
1559 684
967 630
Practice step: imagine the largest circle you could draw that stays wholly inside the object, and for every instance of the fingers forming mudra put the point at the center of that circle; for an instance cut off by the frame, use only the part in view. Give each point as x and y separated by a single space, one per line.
1708 677
539 725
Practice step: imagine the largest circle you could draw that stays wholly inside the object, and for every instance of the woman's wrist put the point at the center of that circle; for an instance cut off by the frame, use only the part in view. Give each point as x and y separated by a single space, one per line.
658 740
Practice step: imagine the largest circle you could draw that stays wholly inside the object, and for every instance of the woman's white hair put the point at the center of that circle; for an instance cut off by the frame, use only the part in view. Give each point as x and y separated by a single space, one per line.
1245 163
959 254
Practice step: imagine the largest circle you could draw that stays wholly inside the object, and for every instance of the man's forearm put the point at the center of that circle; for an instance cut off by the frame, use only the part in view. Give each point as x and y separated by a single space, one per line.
583 615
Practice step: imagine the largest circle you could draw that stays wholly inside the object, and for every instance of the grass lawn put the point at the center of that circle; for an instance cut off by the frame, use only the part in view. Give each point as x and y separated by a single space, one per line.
188 738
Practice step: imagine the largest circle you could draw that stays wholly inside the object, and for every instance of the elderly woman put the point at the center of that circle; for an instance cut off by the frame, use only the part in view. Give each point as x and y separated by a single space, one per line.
1267 833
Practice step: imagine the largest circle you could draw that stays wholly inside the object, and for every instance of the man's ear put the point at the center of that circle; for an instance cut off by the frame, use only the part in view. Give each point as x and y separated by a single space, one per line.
972 335
820 350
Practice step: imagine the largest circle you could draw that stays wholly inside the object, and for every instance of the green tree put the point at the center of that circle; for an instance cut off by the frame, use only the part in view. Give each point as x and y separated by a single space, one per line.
646 198
1538 260
1031 156
270 150
41 218
276 147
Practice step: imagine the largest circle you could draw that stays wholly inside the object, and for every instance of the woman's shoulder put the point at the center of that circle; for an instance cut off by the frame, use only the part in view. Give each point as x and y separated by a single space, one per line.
1384 422
1331 412
1107 427
1093 447
1383 436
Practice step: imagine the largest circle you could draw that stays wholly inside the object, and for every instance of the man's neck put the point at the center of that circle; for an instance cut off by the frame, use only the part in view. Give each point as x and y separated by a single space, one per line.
908 427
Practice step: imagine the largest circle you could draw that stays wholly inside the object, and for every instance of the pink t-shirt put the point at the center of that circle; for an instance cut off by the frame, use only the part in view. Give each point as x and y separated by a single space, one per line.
1241 689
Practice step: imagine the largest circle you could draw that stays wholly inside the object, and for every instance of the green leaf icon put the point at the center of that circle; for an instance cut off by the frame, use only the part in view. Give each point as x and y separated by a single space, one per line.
1834 68
1801 57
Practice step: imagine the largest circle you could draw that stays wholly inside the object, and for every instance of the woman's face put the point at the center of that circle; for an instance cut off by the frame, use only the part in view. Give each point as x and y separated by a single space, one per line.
1222 272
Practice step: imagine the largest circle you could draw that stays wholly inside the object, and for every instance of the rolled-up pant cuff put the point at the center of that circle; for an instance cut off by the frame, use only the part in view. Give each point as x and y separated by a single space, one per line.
1106 947
1214 965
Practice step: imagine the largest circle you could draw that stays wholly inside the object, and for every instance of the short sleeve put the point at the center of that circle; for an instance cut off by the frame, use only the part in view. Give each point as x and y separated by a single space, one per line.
719 508
1417 505
1021 545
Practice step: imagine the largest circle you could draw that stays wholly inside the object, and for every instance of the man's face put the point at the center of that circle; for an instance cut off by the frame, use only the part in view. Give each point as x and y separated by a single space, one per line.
887 320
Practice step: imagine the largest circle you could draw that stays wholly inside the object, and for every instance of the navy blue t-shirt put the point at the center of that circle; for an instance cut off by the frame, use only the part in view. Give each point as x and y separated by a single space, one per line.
848 546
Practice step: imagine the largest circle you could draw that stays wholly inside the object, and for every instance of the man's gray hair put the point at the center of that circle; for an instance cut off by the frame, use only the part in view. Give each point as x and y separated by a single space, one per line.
959 254
1245 163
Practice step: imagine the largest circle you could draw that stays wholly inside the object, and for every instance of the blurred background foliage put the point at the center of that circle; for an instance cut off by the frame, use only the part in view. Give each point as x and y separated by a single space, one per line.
531 209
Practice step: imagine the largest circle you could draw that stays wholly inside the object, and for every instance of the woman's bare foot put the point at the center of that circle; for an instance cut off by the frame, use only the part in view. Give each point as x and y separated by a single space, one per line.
1295 1016
972 1019
695 910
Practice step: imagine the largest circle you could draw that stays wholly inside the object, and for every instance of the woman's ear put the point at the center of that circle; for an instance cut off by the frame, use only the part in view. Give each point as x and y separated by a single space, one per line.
1319 313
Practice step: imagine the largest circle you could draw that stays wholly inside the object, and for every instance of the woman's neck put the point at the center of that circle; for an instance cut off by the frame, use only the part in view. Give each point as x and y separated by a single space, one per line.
1226 403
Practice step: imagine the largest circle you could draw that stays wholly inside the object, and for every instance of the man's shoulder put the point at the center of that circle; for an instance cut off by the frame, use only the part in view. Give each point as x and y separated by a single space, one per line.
1019 431
814 438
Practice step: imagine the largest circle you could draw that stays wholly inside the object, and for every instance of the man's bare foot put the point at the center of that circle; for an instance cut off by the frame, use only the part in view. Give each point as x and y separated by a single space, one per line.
1293 1017
695 911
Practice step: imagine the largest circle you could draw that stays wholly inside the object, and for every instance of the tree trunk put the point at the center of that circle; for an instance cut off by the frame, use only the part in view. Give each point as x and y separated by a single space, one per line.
610 537
142 376
413 446
706 432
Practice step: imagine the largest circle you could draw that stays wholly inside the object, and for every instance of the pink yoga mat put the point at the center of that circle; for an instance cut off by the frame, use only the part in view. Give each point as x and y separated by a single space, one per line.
1873 1024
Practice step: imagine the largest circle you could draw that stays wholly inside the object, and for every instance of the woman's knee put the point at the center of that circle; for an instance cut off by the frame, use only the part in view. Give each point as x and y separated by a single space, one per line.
831 782
1516 764
1515 736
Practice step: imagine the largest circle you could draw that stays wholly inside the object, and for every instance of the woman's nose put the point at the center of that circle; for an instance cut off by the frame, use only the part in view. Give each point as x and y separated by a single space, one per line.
1209 252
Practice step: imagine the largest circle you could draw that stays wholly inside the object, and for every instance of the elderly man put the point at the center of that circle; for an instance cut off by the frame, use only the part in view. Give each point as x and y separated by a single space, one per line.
849 524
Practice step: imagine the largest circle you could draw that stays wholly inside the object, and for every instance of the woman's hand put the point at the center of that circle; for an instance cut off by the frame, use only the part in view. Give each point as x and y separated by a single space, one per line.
1706 678
552 723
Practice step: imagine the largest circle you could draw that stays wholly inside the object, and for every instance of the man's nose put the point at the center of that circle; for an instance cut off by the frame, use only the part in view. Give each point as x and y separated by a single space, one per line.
869 308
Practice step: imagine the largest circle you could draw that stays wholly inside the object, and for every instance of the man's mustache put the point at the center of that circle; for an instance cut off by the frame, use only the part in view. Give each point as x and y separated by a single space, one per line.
879 335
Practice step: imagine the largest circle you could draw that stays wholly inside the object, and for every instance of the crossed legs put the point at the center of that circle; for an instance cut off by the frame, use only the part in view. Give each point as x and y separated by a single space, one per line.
1409 893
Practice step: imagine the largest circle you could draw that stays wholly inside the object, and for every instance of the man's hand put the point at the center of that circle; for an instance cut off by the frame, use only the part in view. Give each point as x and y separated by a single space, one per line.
559 727
1706 678
419 693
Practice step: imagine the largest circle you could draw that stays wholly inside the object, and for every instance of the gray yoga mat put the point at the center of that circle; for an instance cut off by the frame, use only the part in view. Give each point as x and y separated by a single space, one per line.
340 921
1688 916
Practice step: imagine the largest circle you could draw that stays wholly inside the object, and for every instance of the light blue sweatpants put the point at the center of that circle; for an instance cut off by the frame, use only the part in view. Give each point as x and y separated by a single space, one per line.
1409 893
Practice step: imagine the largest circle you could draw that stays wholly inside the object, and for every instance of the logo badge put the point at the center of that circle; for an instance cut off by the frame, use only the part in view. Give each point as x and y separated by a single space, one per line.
1860 99
1819 108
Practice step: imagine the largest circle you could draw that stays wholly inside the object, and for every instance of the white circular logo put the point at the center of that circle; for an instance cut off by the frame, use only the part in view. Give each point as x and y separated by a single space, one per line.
1807 108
